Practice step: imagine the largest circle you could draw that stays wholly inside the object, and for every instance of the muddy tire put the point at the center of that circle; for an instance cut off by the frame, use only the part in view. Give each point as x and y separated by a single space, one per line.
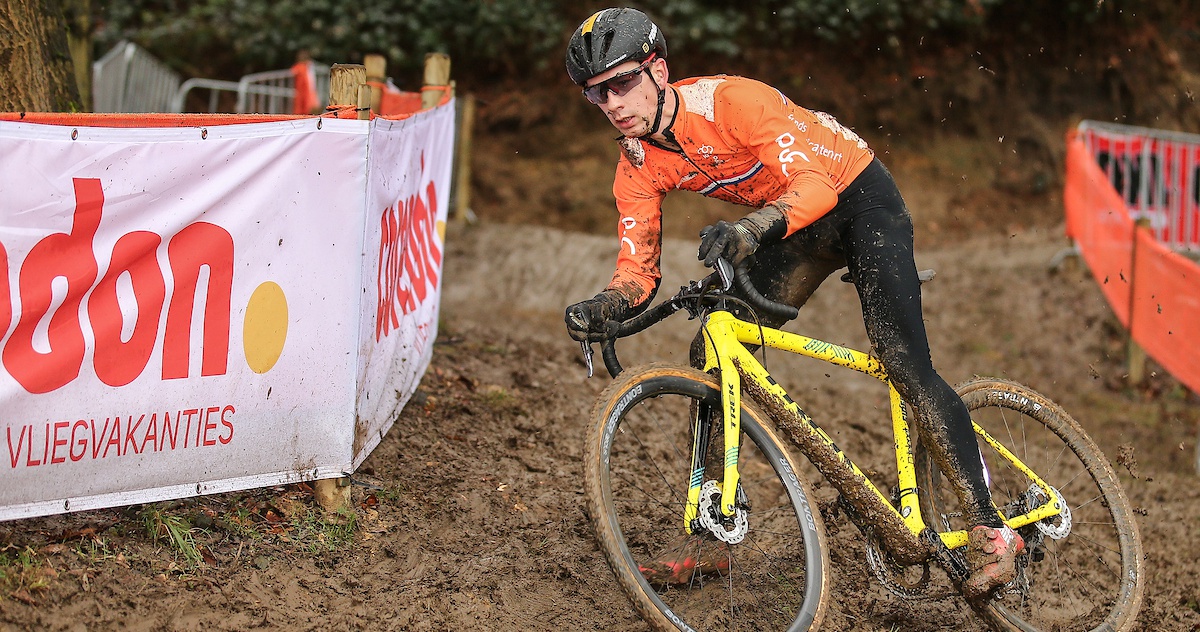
1082 572
636 474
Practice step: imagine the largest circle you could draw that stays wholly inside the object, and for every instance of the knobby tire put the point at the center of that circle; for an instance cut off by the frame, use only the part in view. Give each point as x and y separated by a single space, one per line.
637 466
1090 578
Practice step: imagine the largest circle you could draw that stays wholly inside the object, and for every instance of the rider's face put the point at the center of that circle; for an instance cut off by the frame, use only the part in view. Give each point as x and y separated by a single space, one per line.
632 113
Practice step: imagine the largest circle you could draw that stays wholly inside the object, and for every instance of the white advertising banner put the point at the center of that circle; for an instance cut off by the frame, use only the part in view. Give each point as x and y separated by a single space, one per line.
408 191
182 309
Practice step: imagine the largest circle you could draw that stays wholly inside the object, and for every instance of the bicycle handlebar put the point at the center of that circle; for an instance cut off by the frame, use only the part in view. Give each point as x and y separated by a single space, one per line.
695 292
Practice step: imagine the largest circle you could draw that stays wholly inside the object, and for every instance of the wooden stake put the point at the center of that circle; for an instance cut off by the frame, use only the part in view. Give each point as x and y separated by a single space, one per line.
1135 355
462 178
332 494
346 87
437 73
376 67
344 81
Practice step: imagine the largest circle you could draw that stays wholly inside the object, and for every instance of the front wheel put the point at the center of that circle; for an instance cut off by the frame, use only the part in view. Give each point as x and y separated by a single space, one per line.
637 463
1083 570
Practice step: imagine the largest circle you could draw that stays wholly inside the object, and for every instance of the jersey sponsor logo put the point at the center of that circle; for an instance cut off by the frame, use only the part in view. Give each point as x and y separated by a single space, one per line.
787 155
821 150
628 224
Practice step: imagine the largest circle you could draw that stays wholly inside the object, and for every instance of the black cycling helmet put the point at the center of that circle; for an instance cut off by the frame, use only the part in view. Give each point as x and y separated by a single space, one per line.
610 37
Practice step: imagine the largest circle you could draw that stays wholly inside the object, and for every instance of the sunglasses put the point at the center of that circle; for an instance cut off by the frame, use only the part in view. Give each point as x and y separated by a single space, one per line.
619 85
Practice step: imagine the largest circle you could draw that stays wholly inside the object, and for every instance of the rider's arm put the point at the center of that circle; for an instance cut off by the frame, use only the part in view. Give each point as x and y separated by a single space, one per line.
639 201
782 136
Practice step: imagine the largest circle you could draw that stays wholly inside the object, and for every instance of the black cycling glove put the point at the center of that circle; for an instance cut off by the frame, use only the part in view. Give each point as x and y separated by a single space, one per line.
589 316
736 242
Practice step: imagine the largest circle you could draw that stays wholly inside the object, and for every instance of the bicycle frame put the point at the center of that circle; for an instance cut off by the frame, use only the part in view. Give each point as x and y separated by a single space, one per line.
899 528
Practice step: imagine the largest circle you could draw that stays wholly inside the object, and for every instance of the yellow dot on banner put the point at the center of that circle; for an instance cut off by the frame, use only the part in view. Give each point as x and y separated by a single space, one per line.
264 329
441 229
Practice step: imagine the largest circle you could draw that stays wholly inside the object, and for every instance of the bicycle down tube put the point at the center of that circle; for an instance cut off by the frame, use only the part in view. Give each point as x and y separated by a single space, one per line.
898 527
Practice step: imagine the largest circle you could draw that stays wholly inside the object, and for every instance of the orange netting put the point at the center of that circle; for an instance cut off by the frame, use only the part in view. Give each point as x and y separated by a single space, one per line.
395 105
141 119
1156 295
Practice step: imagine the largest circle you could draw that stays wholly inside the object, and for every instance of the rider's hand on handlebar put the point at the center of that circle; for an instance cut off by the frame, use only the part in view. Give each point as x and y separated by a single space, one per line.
730 241
588 317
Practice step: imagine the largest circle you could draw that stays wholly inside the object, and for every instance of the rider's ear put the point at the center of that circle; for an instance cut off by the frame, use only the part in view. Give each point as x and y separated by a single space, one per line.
659 71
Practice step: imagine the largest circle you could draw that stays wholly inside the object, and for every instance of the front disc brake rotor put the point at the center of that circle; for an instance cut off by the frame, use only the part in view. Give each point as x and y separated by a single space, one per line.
728 529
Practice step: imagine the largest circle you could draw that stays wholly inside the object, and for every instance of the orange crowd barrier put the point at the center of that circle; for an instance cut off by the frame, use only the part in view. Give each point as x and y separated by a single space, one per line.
1153 290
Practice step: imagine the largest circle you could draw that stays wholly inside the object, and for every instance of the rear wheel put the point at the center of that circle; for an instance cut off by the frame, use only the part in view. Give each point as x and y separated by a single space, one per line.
637 472
1083 567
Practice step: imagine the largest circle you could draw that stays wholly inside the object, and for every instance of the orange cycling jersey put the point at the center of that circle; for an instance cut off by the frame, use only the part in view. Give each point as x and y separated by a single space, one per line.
741 141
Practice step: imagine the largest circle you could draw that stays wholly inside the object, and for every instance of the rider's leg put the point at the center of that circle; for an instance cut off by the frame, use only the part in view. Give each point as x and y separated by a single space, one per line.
878 238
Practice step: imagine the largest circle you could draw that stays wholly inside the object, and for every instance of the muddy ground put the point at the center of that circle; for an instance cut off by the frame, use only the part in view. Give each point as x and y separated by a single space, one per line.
469 515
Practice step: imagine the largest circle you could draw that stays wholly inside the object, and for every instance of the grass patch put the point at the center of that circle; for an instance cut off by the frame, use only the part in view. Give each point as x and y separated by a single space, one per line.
176 531
21 570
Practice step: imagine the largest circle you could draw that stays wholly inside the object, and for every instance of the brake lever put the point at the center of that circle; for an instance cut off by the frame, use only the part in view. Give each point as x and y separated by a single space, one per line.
588 352
725 269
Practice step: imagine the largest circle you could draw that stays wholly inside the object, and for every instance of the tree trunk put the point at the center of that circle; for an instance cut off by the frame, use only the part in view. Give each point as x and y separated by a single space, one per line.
36 71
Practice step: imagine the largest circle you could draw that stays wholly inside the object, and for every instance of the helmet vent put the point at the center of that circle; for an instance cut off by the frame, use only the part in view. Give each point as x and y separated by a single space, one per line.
606 44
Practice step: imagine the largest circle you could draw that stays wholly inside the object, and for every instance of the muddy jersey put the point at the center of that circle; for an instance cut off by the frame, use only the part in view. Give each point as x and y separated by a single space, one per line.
742 141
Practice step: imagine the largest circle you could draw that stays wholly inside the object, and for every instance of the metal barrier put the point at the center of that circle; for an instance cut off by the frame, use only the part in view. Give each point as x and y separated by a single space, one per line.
1157 174
273 91
243 93
129 79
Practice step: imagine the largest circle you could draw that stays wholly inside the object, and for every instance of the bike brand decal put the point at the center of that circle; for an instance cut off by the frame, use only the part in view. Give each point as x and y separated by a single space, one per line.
1019 400
807 510
410 255
47 347
610 425
831 349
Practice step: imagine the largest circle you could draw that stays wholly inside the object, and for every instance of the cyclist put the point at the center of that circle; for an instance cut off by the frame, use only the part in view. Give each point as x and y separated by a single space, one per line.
822 202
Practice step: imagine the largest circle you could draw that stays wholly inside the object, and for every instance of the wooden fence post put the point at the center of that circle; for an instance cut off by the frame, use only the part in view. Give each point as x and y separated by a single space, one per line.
437 73
344 82
1135 355
376 67
347 86
462 158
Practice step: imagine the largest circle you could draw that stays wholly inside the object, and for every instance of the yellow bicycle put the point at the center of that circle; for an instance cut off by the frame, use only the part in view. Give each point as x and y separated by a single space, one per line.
693 464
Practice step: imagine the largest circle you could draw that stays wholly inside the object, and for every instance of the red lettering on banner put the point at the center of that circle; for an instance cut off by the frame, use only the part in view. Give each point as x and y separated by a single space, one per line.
54 458
116 436
228 424
15 454
201 244
82 443
95 442
117 362
170 433
65 255
130 428
409 258
71 256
